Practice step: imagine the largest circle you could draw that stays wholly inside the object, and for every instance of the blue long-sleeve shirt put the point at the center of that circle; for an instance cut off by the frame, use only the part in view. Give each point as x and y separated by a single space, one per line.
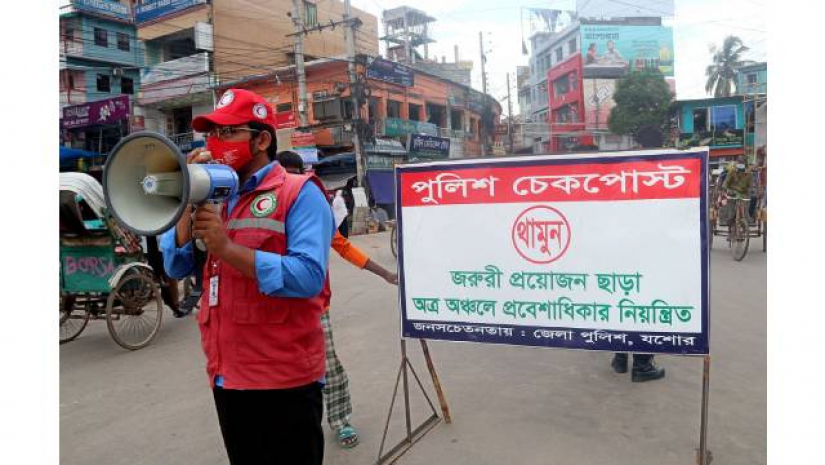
302 271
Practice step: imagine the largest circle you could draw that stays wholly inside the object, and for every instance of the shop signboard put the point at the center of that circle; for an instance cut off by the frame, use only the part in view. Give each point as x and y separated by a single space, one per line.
107 111
390 71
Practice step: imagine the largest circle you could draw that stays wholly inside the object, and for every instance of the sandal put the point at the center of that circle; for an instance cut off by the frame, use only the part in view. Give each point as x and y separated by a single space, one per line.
347 437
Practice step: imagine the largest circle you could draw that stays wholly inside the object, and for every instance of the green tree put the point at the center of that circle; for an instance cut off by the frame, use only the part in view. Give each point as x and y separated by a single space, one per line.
643 100
726 63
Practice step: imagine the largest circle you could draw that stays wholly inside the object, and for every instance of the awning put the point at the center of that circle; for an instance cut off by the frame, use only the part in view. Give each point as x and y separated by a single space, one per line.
68 154
308 154
87 187
382 186
386 147
336 181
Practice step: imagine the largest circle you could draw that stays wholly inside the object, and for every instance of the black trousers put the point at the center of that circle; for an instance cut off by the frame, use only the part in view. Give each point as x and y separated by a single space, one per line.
269 427
639 360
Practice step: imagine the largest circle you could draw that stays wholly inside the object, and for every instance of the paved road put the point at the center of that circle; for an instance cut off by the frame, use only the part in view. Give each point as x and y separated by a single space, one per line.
510 405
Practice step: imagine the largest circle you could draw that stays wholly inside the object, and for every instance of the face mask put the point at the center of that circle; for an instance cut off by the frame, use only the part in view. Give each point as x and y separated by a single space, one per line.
233 154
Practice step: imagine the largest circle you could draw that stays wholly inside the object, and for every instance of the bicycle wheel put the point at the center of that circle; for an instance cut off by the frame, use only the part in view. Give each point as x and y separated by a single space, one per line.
134 311
73 318
741 238
394 241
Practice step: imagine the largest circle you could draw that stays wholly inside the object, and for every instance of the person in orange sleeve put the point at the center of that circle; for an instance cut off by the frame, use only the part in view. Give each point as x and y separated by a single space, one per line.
336 390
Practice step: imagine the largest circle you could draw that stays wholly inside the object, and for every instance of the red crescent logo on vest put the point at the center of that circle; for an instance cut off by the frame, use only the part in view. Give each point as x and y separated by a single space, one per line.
264 205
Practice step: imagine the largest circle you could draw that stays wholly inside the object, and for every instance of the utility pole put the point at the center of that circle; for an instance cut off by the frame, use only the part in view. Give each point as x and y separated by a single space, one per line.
298 38
481 133
354 90
509 115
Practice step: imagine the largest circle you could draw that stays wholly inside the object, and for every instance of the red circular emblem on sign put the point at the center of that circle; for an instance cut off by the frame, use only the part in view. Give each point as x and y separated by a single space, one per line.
541 234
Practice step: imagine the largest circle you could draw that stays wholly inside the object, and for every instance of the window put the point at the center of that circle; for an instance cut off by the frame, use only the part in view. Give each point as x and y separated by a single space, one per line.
415 112
68 33
127 86
103 83
327 109
101 37
571 46
574 80
751 77
393 109
723 117
122 41
561 86
320 95
559 54
700 119
310 14
283 107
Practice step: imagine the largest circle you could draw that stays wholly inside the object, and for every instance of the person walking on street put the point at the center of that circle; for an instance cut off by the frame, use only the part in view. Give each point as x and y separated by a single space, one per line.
337 398
259 318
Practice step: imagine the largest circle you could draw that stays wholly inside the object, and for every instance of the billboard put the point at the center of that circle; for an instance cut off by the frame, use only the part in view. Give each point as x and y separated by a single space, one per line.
596 252
613 51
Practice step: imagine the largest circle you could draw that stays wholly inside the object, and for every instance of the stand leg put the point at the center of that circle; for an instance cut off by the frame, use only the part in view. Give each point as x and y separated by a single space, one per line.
404 363
704 455
389 414
442 400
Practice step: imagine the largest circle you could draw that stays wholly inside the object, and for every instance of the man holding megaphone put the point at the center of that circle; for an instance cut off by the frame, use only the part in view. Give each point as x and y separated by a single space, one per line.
267 258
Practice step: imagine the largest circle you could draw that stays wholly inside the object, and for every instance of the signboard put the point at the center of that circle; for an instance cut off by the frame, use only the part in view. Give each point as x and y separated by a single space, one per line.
392 72
285 119
401 127
612 51
421 145
302 139
105 8
597 252
137 123
501 129
107 111
151 10
724 138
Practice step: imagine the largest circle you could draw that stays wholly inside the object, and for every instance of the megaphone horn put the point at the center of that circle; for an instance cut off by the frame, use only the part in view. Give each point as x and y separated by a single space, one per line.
147 183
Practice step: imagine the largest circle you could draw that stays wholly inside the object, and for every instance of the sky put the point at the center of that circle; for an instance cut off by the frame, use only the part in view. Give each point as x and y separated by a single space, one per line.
696 26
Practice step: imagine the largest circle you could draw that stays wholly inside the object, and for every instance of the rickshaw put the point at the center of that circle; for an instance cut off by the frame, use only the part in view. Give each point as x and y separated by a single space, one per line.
729 215
103 270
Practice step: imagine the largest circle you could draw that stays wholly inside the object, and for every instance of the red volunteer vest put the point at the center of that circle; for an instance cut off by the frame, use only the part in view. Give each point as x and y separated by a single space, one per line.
255 341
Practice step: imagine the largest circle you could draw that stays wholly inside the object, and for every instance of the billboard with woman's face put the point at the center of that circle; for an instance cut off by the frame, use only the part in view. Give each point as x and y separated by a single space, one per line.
614 51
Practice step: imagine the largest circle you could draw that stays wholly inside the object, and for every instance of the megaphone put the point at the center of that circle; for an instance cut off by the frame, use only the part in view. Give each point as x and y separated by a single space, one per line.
147 183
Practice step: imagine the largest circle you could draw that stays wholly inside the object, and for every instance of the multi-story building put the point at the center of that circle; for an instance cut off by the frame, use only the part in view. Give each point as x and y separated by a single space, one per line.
752 79
192 46
100 59
404 105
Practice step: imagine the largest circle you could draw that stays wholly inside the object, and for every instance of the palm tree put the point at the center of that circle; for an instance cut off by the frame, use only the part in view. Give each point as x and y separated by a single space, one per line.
726 62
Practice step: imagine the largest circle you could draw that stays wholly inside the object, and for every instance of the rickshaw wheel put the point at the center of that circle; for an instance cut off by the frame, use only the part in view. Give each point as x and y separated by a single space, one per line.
765 236
134 311
741 238
73 318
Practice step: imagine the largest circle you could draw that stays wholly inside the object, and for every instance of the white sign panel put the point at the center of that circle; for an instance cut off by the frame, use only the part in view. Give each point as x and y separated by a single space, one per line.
604 252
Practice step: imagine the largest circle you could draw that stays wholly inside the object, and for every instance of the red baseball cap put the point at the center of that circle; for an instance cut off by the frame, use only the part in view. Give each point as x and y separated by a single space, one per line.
236 106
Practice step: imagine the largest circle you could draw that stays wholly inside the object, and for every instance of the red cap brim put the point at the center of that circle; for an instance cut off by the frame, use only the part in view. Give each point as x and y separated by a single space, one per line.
205 123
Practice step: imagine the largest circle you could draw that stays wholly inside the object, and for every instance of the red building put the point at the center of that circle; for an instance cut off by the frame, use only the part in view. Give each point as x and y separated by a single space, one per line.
567 105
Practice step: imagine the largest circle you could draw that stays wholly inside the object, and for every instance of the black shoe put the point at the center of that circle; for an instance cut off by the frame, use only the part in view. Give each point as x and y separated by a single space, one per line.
647 372
619 363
